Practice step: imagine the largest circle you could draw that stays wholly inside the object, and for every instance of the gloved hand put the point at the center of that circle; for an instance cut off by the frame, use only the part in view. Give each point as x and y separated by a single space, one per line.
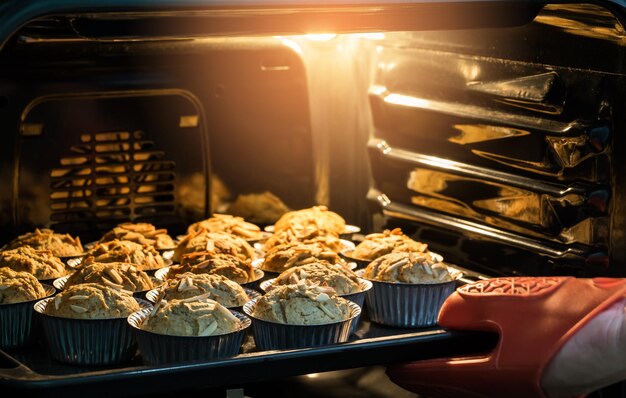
559 337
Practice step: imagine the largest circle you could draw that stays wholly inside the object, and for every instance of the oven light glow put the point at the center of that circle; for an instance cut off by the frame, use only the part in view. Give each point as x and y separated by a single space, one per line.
321 36
406 100
372 36
313 375
291 44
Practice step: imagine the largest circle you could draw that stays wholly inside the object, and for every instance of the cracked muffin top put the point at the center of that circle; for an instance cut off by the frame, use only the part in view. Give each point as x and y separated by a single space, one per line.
226 292
339 277
302 304
231 267
317 216
195 316
42 264
61 245
91 301
18 287
261 208
379 244
214 242
226 223
143 256
116 275
284 257
402 267
142 233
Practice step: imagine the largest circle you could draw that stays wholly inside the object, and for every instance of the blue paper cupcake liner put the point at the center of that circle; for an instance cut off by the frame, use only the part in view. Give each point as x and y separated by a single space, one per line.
407 305
18 324
91 342
275 336
157 349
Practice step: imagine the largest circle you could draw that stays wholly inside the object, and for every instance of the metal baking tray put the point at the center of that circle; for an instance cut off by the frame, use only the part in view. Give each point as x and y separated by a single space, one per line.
30 371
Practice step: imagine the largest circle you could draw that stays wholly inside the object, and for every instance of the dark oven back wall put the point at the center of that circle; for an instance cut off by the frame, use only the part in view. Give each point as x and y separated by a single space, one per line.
95 133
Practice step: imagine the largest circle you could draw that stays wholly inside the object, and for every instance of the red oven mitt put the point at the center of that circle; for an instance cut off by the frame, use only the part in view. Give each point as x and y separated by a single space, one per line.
534 317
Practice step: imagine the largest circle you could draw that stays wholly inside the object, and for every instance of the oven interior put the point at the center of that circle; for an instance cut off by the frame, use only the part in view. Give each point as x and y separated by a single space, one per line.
494 138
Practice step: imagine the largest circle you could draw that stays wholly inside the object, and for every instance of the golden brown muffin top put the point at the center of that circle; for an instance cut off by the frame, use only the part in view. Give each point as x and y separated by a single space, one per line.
143 256
403 267
221 289
341 278
303 235
142 233
226 223
195 316
40 263
18 287
261 208
214 242
231 267
284 257
378 244
116 275
92 301
302 304
318 217
61 245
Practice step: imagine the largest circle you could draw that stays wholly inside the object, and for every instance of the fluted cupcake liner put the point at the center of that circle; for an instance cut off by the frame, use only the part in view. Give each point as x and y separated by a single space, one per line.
88 341
157 349
407 305
18 325
153 297
274 336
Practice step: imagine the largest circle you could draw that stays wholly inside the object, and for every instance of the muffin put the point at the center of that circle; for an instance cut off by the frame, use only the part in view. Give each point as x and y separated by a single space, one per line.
191 329
195 316
215 242
86 325
379 244
317 216
339 277
18 287
303 235
42 264
408 289
232 267
226 223
260 208
404 267
116 275
142 233
144 257
61 245
300 315
215 287
18 290
91 301
284 257
301 304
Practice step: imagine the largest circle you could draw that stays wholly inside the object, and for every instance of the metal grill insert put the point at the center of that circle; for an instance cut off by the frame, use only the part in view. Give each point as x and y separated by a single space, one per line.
113 176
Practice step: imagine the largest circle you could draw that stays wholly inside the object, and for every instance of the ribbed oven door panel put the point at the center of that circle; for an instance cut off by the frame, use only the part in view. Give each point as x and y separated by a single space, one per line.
504 137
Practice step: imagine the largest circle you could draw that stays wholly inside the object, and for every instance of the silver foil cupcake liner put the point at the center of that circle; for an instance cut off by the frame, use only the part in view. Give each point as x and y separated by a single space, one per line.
157 349
91 342
276 336
153 296
18 324
407 305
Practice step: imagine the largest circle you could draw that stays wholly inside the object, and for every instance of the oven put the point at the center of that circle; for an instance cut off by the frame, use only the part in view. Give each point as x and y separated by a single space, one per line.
489 130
